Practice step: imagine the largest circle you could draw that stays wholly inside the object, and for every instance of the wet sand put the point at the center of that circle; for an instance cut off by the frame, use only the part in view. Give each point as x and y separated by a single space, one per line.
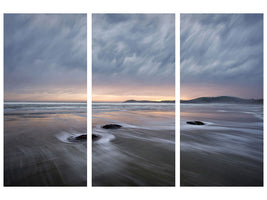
141 153
37 152
227 151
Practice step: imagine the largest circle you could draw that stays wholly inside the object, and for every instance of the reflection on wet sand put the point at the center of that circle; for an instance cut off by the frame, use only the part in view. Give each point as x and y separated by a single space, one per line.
35 152
141 152
227 151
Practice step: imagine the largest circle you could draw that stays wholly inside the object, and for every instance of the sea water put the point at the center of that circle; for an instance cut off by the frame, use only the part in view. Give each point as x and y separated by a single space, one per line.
37 151
141 152
227 150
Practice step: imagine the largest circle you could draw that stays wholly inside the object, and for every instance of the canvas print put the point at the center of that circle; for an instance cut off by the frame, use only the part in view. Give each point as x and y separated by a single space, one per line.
45 100
221 99
133 109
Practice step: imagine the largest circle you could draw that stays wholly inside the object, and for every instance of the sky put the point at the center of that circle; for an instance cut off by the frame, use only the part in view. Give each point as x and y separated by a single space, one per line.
221 54
133 57
45 57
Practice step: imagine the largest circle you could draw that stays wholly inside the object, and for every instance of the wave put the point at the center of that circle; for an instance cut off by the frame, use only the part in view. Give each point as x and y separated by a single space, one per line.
40 108
105 135
113 107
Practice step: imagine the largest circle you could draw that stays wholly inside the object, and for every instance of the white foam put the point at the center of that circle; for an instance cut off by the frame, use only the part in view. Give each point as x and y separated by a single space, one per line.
259 116
105 137
64 136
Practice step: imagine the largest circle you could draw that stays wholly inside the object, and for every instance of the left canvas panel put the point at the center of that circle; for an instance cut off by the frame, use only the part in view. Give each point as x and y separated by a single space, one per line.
45 109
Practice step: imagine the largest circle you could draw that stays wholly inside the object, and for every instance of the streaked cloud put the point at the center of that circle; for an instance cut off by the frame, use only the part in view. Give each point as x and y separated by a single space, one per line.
136 51
222 51
45 55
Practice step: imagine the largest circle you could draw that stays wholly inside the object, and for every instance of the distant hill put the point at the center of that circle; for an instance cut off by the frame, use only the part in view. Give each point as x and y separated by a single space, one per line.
222 99
146 101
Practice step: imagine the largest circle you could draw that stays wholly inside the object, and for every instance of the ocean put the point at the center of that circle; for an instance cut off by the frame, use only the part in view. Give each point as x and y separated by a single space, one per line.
227 150
141 152
37 149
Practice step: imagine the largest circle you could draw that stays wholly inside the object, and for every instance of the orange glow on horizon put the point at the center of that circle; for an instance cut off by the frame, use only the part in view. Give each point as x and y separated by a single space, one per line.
114 98
132 92
47 97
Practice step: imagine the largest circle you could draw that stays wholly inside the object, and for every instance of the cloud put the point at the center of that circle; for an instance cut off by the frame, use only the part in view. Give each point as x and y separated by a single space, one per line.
133 49
222 49
44 53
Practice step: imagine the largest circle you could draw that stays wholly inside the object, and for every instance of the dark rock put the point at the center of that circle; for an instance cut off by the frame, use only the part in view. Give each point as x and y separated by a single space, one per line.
95 137
111 126
79 138
195 123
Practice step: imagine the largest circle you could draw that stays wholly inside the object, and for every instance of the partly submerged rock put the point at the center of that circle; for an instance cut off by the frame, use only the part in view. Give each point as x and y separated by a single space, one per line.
111 126
79 138
195 123
95 137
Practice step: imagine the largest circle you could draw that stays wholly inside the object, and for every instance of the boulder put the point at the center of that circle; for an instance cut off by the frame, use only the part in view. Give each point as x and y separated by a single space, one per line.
195 123
79 138
95 137
111 126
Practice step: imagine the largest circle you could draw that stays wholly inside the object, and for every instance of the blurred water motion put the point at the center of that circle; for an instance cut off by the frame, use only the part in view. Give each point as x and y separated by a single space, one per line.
227 151
142 152
37 151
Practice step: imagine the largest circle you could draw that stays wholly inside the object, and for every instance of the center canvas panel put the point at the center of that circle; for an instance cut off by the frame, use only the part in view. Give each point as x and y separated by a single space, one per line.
133 94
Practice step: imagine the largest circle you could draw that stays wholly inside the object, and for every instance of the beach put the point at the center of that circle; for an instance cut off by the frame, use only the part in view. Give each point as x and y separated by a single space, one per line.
141 152
227 150
37 149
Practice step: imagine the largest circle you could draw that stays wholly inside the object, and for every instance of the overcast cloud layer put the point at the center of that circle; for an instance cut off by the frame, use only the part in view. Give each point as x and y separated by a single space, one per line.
134 51
223 52
44 55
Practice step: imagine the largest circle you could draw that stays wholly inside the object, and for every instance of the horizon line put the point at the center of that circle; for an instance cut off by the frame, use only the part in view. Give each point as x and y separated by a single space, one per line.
131 100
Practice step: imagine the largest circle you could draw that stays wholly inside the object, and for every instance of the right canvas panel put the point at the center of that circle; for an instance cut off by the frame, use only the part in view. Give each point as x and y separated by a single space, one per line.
221 99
